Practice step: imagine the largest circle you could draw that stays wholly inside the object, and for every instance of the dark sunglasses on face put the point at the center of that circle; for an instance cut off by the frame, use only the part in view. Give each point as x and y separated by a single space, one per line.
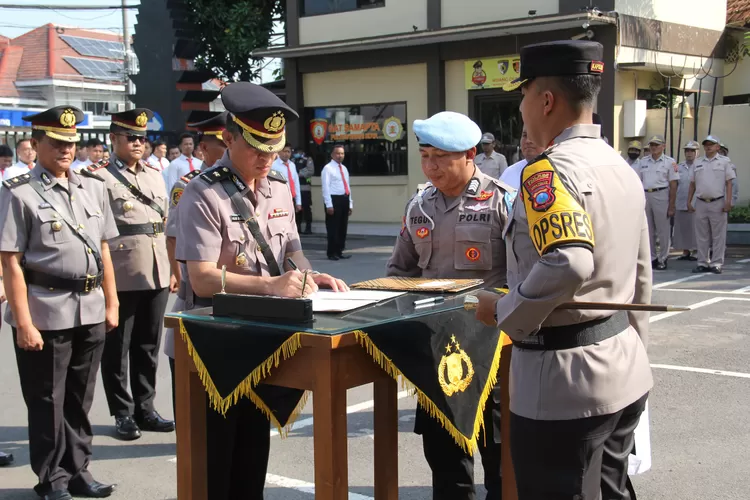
134 138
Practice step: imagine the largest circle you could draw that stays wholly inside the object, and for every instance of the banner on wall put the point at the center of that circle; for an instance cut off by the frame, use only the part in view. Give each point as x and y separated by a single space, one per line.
491 73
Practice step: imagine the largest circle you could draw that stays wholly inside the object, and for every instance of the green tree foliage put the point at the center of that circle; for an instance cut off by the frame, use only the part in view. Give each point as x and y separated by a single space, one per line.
229 30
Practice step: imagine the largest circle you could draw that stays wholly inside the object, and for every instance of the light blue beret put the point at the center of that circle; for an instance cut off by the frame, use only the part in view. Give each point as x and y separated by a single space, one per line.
448 131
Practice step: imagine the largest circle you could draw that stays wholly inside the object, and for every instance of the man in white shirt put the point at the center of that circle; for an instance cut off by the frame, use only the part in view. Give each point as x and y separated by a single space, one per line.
184 164
6 160
25 155
82 156
490 162
337 198
158 158
284 165
529 151
95 148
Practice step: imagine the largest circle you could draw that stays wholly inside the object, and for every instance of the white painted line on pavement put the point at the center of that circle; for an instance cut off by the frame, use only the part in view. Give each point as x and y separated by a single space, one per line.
742 290
702 370
714 292
674 282
365 405
743 261
698 305
304 486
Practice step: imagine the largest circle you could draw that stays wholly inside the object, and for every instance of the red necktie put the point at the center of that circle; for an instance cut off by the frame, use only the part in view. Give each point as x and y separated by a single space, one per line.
291 180
190 162
346 186
30 166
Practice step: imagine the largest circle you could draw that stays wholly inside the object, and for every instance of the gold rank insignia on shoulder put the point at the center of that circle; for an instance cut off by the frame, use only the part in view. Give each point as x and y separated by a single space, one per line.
451 374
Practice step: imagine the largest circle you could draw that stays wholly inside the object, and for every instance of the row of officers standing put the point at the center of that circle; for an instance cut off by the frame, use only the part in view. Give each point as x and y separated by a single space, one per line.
570 436
691 200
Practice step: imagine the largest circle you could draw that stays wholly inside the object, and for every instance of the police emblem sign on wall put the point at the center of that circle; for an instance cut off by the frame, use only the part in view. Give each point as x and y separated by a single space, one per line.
392 129
319 128
491 73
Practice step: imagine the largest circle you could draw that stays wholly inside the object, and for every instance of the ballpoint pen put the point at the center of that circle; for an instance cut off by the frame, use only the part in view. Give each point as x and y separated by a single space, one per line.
428 302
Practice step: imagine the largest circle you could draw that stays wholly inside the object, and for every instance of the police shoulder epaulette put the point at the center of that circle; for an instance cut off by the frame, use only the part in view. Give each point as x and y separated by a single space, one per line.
147 164
96 166
502 185
189 176
17 180
275 175
86 172
215 174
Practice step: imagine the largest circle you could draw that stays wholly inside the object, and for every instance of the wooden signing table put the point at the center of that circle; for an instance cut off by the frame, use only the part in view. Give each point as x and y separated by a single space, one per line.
329 362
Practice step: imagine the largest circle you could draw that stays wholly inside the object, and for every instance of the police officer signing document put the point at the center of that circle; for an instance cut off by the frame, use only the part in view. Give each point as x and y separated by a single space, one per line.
61 289
453 229
578 378
139 204
240 214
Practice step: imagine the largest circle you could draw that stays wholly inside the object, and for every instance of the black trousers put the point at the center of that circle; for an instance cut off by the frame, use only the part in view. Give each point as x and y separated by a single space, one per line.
306 213
584 458
238 445
337 224
452 468
58 388
135 340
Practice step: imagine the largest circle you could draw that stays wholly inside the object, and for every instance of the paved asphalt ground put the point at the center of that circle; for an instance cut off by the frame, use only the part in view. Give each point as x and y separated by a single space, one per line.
700 424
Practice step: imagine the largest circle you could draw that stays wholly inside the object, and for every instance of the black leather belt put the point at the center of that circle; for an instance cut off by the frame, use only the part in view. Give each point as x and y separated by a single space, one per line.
150 228
709 200
80 285
654 190
570 336
203 301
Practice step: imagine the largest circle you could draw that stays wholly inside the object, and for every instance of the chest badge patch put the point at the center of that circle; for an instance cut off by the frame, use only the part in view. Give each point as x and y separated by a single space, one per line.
541 192
422 232
473 254
484 195
478 207
278 213
176 194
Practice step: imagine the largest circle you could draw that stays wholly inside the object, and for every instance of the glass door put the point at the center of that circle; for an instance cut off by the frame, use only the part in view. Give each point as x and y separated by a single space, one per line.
497 112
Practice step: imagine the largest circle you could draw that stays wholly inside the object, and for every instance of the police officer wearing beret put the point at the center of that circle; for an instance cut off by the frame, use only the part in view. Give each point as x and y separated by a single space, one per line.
453 229
61 290
578 378
213 147
241 215
137 195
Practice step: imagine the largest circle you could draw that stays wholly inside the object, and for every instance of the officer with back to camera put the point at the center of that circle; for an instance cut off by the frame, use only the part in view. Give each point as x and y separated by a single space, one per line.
453 229
579 379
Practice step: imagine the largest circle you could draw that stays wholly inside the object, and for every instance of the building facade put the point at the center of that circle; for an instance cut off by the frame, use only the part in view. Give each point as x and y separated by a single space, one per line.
361 71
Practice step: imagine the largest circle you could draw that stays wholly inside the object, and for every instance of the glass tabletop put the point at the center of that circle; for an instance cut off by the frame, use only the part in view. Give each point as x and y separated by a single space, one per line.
399 308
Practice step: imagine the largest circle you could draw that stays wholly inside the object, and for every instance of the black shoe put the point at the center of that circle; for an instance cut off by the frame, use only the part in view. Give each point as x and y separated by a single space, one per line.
332 257
342 256
661 266
683 257
5 459
153 422
57 495
715 269
701 269
653 263
127 429
94 489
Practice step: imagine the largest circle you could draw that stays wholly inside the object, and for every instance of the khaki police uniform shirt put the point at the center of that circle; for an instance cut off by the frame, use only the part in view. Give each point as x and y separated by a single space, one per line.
492 165
601 378
659 173
211 230
140 260
457 237
711 176
683 187
32 227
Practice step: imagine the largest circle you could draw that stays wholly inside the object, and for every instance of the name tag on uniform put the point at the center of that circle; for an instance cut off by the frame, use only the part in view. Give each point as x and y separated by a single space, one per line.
278 213
45 205
237 218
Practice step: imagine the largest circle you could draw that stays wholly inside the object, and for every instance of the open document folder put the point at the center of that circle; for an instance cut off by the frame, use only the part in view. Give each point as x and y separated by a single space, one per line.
335 302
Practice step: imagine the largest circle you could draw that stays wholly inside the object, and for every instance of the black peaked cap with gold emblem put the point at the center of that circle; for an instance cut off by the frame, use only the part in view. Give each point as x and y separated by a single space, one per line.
58 122
559 58
213 126
131 122
260 113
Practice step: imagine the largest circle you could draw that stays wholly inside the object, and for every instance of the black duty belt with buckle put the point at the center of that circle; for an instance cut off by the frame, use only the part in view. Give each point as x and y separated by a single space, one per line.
80 285
653 190
569 336
709 200
150 228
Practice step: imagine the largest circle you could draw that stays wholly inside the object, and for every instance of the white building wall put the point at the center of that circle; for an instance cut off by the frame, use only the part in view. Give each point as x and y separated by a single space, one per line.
708 14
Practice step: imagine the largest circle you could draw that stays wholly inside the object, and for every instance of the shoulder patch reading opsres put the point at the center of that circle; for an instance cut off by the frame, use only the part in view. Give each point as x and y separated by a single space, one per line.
555 216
